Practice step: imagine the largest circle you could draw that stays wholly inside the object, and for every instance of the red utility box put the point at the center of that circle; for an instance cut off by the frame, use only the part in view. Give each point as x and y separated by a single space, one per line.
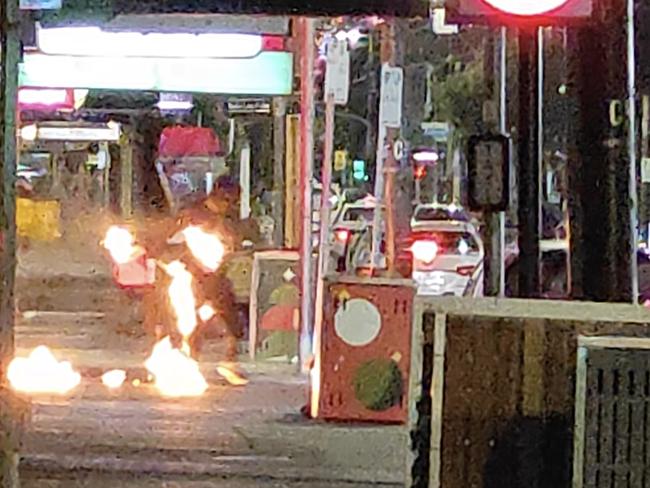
365 353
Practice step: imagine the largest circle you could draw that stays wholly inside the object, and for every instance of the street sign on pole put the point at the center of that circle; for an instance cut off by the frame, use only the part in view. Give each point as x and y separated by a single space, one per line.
337 74
340 160
392 93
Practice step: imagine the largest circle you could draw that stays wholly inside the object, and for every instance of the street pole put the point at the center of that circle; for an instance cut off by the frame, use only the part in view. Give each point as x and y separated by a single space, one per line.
385 167
495 283
503 128
326 179
528 159
631 138
540 154
279 150
10 57
602 260
307 111
645 153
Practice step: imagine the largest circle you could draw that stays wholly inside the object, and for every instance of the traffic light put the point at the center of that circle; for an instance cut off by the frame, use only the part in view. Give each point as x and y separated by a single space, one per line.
359 170
539 12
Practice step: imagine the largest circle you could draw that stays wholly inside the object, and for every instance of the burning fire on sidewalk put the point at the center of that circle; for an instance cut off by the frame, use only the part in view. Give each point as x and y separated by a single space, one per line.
41 373
175 373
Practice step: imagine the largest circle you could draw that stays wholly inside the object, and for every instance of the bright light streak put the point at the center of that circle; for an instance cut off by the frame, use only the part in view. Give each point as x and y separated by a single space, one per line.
44 133
205 247
35 96
354 36
231 376
269 73
119 242
114 379
519 7
175 373
426 156
40 372
175 105
93 41
29 133
182 298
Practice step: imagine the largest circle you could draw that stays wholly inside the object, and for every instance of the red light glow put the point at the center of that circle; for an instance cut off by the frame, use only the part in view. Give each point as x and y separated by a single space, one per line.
526 8
465 270
342 235
425 251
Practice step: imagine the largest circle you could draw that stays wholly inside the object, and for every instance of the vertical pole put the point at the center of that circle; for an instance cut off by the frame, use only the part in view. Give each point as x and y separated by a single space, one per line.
601 214
279 139
245 180
126 177
291 186
307 110
391 170
326 180
528 165
631 139
10 57
385 136
503 128
540 152
323 245
645 138
495 229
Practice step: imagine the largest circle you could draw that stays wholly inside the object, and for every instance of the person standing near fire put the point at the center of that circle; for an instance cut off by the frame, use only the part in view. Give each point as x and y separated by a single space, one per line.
217 214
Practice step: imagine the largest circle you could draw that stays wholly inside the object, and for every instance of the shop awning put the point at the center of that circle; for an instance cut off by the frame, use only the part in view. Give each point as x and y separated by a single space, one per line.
179 142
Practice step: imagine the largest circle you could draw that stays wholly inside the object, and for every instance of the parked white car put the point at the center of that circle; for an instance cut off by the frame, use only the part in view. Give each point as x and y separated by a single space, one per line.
448 258
349 232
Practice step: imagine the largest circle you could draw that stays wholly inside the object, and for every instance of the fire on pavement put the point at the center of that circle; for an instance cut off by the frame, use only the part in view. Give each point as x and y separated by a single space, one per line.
174 372
42 373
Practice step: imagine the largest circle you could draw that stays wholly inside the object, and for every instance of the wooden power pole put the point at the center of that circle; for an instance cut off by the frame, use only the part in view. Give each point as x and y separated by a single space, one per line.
600 207
9 411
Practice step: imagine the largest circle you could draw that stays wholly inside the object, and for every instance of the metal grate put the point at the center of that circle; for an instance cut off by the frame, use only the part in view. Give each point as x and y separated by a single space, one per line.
616 439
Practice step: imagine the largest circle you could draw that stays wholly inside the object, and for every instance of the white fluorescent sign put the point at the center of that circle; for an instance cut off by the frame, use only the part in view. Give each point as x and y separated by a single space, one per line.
269 73
92 41
72 133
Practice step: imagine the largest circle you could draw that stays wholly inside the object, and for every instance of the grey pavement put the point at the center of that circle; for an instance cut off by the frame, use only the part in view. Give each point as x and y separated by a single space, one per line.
230 437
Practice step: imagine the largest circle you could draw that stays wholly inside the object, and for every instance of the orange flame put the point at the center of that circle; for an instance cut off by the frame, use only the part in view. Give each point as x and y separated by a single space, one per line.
182 298
205 247
206 312
175 373
40 372
114 379
120 243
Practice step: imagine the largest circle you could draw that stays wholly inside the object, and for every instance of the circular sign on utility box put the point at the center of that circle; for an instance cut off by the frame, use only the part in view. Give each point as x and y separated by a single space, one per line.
398 149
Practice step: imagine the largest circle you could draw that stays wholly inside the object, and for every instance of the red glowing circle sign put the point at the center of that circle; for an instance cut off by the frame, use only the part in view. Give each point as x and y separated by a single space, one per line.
526 7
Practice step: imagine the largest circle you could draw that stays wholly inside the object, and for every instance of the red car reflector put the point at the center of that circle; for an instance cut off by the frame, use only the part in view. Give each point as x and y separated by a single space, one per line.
465 270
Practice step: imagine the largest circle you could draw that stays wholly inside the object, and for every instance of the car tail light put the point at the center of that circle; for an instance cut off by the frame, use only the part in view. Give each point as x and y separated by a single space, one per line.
425 251
342 235
465 270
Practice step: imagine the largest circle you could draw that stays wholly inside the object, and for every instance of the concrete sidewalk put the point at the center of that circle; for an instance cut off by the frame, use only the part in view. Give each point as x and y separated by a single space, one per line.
252 432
